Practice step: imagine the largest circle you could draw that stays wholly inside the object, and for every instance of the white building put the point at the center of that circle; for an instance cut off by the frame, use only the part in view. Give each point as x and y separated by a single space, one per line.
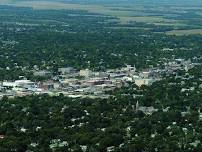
24 83
85 73
139 82
9 84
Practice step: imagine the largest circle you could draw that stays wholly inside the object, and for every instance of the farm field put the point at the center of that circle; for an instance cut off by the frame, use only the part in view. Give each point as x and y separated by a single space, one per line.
180 19
184 32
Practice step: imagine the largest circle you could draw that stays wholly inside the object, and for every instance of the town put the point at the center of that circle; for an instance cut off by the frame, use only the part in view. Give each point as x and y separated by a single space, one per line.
86 83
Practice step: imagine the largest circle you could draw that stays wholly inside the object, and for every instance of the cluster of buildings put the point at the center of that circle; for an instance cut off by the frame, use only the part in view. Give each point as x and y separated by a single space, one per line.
86 83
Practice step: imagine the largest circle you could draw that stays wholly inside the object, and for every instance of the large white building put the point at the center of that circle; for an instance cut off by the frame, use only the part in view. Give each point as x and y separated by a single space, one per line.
18 84
85 73
142 81
9 84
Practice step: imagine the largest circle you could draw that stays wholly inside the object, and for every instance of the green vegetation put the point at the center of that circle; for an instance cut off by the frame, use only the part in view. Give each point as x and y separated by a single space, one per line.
33 122
57 38
99 37
163 13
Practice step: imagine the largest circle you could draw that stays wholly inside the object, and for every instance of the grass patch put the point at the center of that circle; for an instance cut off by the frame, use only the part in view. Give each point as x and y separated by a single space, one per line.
146 19
159 16
184 32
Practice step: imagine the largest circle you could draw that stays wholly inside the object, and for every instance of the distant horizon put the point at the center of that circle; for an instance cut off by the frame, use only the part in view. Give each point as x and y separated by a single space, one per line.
177 2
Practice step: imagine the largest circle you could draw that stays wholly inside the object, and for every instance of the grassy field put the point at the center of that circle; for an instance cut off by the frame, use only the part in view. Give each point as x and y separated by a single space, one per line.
158 15
146 19
184 32
134 14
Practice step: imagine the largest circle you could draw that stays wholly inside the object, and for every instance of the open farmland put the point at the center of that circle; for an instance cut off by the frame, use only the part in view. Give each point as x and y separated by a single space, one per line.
180 20
146 19
166 17
184 32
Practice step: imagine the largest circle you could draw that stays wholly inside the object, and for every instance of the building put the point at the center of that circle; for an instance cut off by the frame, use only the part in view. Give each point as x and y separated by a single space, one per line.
8 84
48 85
67 70
139 82
18 84
42 73
129 69
85 73
101 74
146 110
70 81
97 82
24 83
145 74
